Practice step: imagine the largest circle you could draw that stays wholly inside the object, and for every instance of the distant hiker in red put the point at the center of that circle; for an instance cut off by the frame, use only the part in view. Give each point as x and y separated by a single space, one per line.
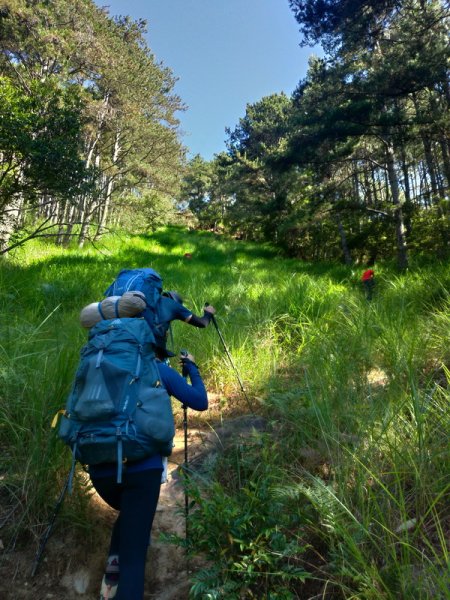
368 281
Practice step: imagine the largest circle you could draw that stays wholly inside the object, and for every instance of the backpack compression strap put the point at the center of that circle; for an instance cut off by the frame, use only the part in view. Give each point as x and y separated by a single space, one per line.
72 468
119 455
119 460
99 306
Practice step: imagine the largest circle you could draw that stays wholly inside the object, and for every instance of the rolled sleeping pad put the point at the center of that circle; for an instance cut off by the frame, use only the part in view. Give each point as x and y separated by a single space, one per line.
129 304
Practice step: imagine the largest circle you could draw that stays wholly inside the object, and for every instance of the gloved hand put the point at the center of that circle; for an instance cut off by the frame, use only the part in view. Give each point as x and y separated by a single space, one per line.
209 308
185 357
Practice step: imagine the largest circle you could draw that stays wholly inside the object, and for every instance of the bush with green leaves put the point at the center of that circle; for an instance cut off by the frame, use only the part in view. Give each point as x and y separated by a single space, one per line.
253 538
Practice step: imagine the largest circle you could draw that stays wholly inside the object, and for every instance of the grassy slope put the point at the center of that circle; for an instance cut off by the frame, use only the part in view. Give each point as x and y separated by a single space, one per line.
354 393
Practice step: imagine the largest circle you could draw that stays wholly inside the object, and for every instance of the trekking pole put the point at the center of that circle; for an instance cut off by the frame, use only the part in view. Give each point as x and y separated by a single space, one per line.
44 539
184 354
213 319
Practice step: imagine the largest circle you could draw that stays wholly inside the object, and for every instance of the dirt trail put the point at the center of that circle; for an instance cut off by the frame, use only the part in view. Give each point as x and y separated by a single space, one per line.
68 573
167 568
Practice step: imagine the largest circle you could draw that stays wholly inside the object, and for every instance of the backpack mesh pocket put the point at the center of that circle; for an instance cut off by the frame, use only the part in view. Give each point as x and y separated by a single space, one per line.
99 390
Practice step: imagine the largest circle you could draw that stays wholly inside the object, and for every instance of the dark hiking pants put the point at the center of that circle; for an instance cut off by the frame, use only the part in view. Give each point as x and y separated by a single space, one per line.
136 498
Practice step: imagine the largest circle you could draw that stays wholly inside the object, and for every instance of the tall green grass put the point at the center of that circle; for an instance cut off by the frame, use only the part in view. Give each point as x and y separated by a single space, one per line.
362 426
346 492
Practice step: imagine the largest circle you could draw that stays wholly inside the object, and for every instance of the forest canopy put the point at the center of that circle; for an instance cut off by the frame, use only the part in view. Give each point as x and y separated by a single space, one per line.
88 127
353 166
356 164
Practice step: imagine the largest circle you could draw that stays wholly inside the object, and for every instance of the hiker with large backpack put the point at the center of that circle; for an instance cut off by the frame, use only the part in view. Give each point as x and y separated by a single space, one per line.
118 422
162 307
136 497
170 308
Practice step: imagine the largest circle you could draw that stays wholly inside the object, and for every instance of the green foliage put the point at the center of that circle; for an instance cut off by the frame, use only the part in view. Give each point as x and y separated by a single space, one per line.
357 439
196 192
345 491
356 164
40 139
88 132
251 534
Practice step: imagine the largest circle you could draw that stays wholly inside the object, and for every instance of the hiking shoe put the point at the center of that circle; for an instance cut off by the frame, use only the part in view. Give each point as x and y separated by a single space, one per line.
112 565
109 587
110 579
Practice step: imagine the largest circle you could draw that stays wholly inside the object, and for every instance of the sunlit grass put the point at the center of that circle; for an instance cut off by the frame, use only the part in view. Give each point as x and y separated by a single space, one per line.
355 393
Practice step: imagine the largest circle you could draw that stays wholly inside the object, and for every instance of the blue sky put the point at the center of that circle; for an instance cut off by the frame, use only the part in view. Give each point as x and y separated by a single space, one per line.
225 53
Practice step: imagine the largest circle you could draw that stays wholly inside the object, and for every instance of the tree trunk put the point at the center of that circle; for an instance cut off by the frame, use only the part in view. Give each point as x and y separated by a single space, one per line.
104 209
445 161
407 190
71 221
405 171
82 218
430 167
344 245
375 195
402 254
368 186
86 212
9 221
100 120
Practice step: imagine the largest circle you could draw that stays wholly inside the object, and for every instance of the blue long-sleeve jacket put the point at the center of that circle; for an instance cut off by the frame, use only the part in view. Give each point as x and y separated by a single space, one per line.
194 396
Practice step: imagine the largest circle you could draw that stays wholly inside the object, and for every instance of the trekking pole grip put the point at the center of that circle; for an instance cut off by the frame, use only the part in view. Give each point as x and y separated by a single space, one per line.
213 318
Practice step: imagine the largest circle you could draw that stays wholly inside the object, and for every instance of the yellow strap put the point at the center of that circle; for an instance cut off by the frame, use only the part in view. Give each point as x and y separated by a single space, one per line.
55 418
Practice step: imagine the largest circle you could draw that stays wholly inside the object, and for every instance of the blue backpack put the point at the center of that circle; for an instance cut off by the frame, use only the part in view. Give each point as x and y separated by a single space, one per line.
117 409
147 281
